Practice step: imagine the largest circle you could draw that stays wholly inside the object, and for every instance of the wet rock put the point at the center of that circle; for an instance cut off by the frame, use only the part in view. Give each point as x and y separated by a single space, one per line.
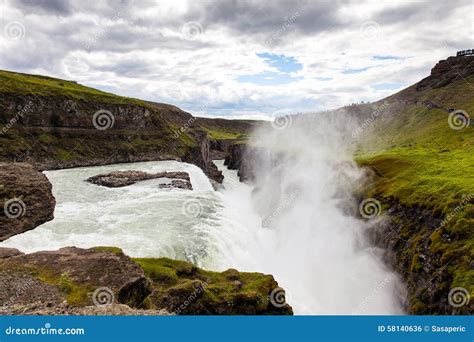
119 179
177 184
26 200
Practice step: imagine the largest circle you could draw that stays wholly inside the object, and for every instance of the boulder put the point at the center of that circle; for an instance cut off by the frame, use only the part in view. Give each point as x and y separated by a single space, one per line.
82 277
26 200
9 252
119 179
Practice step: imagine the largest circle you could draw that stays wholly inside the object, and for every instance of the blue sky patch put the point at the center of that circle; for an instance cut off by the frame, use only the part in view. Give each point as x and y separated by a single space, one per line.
386 57
354 71
387 86
285 66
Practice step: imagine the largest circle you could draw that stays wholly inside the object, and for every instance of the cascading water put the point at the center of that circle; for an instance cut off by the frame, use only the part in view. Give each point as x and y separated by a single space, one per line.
314 250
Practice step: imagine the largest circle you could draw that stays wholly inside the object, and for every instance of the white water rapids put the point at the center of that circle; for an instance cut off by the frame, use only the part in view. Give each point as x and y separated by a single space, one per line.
223 231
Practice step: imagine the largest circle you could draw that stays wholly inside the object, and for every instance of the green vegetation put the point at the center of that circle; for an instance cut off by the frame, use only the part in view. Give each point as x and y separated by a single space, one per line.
25 84
231 292
109 249
420 161
225 134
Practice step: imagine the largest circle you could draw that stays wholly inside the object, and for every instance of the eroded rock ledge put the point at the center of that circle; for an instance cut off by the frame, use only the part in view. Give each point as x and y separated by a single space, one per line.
119 179
26 200
103 280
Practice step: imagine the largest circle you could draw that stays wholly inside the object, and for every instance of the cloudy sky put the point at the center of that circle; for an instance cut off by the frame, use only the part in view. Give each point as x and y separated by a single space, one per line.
234 58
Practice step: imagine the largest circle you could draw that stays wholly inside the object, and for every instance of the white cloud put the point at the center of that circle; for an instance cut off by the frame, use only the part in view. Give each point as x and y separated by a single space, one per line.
138 49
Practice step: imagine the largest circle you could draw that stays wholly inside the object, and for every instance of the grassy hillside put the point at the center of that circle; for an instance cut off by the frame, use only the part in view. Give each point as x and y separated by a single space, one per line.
25 84
50 122
420 162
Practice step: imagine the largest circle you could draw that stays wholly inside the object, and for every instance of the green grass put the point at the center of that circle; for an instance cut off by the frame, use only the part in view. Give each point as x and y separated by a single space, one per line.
179 280
419 161
25 84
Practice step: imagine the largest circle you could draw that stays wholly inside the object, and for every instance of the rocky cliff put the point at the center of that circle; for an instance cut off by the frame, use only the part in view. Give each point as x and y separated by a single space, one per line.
54 123
26 200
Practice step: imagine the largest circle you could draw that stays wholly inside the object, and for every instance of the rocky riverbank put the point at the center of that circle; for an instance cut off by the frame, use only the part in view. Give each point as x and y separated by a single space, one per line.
103 280
26 200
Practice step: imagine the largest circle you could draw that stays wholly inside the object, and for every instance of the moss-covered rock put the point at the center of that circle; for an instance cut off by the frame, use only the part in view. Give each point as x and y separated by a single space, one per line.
184 289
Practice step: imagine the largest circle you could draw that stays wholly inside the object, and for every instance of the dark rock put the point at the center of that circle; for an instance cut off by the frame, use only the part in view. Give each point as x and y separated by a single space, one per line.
118 179
448 71
405 236
9 252
26 200
177 184
78 273
200 155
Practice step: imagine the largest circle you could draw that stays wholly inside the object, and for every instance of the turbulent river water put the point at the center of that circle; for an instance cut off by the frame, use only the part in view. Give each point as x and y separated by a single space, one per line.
214 229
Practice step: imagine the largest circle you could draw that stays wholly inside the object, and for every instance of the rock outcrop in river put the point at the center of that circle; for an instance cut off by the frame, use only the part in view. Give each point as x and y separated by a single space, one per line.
119 179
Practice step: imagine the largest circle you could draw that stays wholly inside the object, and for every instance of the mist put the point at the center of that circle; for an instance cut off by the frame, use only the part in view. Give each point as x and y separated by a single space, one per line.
308 233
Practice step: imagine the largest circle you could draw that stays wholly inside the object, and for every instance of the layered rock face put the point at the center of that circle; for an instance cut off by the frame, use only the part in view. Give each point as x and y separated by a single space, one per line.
55 132
200 156
427 275
447 71
26 200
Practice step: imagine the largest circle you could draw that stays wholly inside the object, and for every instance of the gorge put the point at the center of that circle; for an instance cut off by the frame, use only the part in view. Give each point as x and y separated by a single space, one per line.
296 215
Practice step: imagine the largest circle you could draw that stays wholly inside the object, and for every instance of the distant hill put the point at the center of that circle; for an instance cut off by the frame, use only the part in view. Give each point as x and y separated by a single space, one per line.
54 123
